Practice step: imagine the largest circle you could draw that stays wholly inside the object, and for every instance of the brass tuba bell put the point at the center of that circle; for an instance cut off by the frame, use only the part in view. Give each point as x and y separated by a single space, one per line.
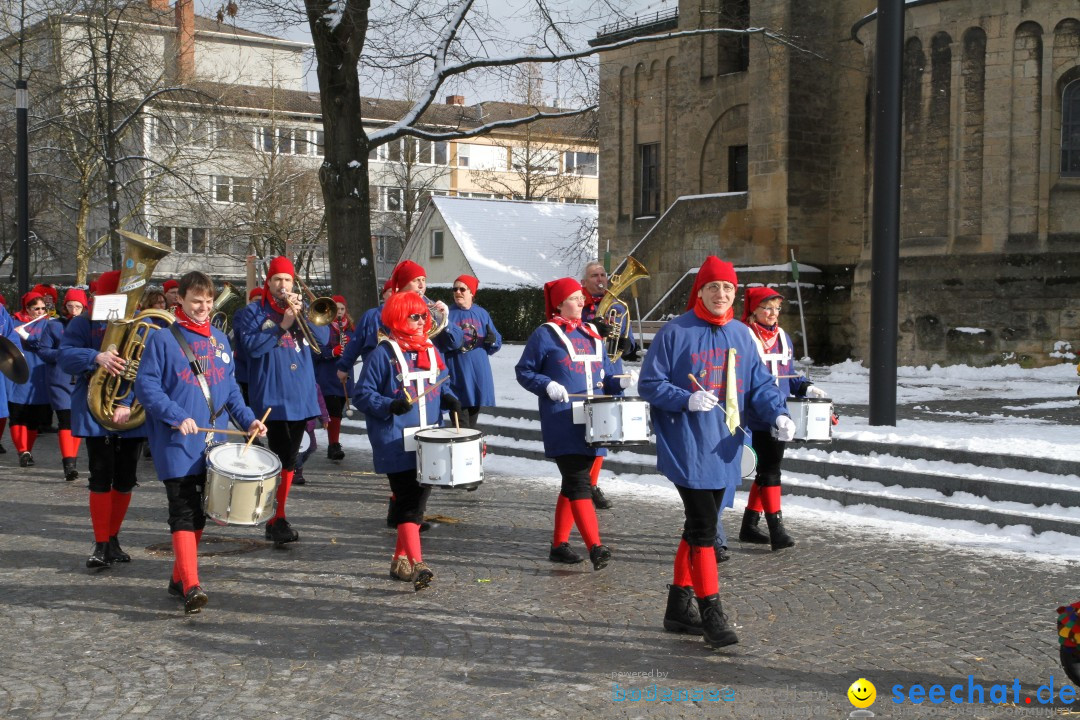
616 312
227 301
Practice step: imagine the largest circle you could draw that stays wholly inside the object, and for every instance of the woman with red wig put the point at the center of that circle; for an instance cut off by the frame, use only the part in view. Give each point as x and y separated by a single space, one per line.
397 394
28 403
565 357
62 383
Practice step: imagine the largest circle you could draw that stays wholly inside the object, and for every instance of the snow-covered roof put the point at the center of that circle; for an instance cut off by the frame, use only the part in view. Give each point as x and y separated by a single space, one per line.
510 243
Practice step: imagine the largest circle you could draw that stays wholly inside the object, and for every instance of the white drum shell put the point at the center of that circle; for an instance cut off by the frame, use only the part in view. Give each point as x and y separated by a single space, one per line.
449 458
240 488
813 419
613 421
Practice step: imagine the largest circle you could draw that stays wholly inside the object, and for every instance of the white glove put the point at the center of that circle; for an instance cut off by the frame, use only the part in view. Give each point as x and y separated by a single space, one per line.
22 332
785 429
631 378
815 392
557 392
703 401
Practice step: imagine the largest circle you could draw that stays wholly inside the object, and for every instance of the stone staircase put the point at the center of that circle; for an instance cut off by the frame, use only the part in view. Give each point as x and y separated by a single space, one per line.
947 484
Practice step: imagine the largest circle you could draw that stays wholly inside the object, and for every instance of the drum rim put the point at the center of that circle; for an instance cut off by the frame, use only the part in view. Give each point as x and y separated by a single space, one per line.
809 400
600 399
458 435
274 468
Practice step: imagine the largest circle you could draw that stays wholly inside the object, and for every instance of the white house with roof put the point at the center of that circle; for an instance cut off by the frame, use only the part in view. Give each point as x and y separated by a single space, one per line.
503 243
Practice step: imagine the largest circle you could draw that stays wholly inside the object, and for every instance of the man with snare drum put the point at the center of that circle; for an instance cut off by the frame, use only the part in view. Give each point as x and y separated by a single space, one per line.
181 396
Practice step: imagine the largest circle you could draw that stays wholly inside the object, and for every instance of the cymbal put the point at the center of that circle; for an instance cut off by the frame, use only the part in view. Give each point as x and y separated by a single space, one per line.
13 362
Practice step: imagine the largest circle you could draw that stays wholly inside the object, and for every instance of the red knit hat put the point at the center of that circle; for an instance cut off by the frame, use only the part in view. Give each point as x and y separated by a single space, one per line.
255 294
386 285
280 265
405 272
49 290
711 270
340 299
76 295
171 285
754 297
468 281
107 283
3 300
556 291
31 297
399 307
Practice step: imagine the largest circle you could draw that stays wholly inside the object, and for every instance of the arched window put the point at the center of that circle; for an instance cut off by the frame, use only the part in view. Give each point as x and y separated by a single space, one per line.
1070 130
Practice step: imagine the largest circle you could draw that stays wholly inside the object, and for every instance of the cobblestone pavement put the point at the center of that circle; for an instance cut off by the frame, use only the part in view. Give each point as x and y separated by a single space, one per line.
319 630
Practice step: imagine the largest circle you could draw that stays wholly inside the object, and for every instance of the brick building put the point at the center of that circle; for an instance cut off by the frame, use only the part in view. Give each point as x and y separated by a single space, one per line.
753 148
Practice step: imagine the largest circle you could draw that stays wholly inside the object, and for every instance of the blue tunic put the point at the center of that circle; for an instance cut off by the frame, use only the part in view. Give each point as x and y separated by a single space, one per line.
34 391
544 360
377 388
281 373
695 449
789 385
470 369
326 365
7 329
60 383
170 392
362 340
78 348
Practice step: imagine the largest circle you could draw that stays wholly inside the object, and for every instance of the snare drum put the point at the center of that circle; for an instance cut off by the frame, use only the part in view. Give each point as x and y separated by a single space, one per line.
614 421
451 458
813 419
748 462
240 486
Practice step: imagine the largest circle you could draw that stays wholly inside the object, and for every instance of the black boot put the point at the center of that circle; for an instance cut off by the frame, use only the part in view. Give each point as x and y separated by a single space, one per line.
334 452
681 614
600 556
100 557
714 625
778 537
599 499
70 473
116 553
750 532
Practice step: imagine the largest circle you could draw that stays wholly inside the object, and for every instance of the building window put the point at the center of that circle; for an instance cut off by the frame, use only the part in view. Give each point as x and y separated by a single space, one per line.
436 243
1070 130
185 240
649 164
580 163
737 171
228 189
442 153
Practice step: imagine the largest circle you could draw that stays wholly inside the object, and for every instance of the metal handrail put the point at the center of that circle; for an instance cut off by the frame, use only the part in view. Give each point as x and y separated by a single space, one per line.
638 21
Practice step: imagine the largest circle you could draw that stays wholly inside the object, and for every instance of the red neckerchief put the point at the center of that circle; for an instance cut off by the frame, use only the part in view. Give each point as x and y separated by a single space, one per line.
702 312
187 323
572 325
419 344
767 335
21 316
272 301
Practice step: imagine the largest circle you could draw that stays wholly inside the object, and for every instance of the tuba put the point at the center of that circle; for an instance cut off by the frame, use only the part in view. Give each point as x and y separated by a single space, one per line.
225 304
127 336
616 312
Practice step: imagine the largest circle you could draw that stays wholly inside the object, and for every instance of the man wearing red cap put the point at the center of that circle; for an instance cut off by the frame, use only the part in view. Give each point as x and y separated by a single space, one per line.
281 377
565 357
172 293
28 402
470 368
700 375
334 390
61 383
113 457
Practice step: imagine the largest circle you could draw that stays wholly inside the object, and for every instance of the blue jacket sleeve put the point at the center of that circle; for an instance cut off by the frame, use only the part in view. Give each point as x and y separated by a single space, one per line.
528 368
257 336
654 383
77 352
489 328
374 378
49 344
148 384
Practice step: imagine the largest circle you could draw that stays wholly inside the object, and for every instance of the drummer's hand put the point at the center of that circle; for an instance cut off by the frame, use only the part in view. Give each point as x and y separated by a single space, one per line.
113 363
343 376
785 429
557 392
815 392
702 401
121 414
630 377
257 428
400 406
188 427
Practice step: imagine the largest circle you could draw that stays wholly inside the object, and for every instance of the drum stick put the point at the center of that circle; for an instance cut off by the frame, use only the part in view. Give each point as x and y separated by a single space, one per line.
722 408
223 431
348 407
457 428
425 392
251 438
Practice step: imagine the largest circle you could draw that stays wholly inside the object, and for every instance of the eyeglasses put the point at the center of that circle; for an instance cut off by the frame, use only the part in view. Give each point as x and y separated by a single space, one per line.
418 317
460 289
770 310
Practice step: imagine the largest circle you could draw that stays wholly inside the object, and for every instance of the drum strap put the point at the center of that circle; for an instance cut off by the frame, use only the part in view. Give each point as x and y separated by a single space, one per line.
587 361
197 371
773 359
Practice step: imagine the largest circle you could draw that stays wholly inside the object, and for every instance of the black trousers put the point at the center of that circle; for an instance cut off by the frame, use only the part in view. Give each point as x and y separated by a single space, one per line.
410 498
335 405
185 495
63 419
575 476
700 508
468 416
113 462
770 453
32 416
283 438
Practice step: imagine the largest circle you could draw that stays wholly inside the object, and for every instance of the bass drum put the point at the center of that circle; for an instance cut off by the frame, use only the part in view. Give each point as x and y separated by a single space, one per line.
241 484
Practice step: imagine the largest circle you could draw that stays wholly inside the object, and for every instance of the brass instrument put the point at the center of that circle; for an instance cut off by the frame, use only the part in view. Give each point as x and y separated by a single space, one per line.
439 320
227 301
616 312
127 336
13 362
321 314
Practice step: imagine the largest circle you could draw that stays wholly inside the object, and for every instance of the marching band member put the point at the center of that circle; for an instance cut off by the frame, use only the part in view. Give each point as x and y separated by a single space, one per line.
365 336
50 295
281 377
28 403
697 353
334 389
62 383
172 393
7 329
154 300
113 457
397 393
761 313
172 293
470 368
565 357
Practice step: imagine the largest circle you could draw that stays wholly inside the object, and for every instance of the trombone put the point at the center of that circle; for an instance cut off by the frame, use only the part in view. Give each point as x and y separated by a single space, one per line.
322 311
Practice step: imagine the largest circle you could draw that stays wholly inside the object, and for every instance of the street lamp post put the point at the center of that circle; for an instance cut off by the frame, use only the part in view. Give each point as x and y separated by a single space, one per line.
22 174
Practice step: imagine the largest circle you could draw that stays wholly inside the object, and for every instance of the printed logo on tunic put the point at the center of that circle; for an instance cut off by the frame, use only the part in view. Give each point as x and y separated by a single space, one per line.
206 351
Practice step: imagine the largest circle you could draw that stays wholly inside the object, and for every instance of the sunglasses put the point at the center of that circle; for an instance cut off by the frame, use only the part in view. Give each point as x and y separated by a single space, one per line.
460 289
418 317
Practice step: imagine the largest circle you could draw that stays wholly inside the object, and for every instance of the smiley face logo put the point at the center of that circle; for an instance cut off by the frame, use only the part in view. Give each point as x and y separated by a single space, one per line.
862 693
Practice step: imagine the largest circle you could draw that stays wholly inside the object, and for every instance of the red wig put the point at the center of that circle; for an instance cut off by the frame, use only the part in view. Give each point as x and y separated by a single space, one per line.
398 308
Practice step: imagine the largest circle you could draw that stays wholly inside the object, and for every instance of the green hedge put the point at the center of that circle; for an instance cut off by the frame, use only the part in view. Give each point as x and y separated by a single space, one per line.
516 313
